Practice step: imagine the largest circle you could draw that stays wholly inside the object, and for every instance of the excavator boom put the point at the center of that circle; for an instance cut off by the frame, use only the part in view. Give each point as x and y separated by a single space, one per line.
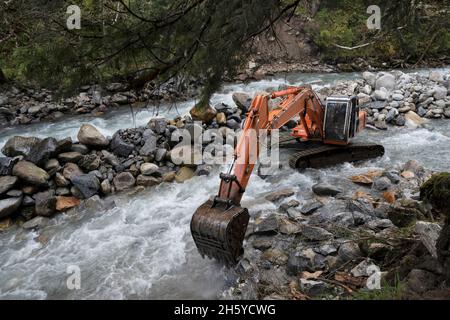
219 225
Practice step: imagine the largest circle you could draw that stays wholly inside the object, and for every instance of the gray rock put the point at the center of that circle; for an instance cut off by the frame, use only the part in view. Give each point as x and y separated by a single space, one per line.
147 181
6 165
7 183
121 147
325 189
86 184
380 95
429 233
381 124
37 222
148 169
29 172
242 100
306 260
19 146
80 148
312 287
370 78
364 269
310 207
149 148
326 249
267 226
440 92
393 176
110 158
400 121
8 206
290 204
398 97
233 124
123 181
421 281
382 183
41 152
89 162
160 154
158 125
279 194
90 136
349 251
436 76
73 157
315 233
105 186
45 204
387 81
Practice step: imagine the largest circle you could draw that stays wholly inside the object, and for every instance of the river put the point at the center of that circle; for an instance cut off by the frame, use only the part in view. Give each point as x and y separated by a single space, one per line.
141 248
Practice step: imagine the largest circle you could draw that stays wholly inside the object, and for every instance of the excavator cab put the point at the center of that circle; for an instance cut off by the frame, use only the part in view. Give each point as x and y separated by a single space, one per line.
342 119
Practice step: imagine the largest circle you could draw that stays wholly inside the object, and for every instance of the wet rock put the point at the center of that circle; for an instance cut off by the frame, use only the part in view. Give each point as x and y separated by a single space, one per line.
41 152
279 194
290 204
288 227
105 186
150 145
6 165
45 204
52 166
19 146
120 147
147 181
429 234
61 181
29 172
65 203
242 100
64 145
276 256
267 226
90 162
382 184
71 170
169 176
37 222
315 233
8 206
7 183
148 169
80 148
183 174
325 189
90 136
413 120
392 176
160 154
158 125
400 121
310 207
262 243
123 181
73 157
362 179
87 185
206 114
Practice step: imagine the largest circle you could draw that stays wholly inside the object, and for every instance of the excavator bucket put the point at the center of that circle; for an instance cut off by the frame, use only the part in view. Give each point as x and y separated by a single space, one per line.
219 231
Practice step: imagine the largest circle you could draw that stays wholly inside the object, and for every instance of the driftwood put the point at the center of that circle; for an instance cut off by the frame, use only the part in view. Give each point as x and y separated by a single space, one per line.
352 48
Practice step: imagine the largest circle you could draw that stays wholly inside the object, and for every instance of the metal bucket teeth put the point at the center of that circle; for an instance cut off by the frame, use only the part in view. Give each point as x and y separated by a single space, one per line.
219 232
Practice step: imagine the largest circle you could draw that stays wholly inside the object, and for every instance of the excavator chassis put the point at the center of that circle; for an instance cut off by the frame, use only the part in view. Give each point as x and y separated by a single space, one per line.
219 230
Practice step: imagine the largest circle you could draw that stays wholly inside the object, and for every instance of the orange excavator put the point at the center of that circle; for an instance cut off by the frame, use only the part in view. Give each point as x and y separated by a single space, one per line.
322 135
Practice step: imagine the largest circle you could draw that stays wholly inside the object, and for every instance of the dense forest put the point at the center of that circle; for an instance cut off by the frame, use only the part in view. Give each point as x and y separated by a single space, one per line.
144 41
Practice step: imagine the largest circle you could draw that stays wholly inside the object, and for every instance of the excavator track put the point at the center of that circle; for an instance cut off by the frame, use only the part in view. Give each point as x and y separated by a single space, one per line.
328 155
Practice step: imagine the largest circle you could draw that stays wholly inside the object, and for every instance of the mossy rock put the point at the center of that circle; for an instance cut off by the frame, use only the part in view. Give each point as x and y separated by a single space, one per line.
436 191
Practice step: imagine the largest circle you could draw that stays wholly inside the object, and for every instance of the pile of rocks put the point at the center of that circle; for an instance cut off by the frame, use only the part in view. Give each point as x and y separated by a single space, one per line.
399 98
339 239
25 106
39 177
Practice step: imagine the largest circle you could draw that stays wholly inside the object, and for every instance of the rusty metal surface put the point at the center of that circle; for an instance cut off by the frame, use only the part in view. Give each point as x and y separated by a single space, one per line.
219 232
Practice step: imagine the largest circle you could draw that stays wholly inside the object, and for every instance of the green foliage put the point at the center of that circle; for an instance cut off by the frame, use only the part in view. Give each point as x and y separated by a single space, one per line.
387 292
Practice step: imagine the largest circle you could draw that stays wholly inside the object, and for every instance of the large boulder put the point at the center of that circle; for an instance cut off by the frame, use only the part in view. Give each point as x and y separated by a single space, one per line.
90 136
43 151
387 81
7 183
9 206
87 185
121 147
205 114
29 172
19 146
123 181
242 100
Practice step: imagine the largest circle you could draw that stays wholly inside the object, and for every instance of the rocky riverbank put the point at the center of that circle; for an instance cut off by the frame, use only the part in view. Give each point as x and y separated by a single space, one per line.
332 242
22 105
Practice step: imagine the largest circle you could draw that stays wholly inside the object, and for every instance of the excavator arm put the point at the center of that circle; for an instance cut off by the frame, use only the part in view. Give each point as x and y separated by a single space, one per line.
218 226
